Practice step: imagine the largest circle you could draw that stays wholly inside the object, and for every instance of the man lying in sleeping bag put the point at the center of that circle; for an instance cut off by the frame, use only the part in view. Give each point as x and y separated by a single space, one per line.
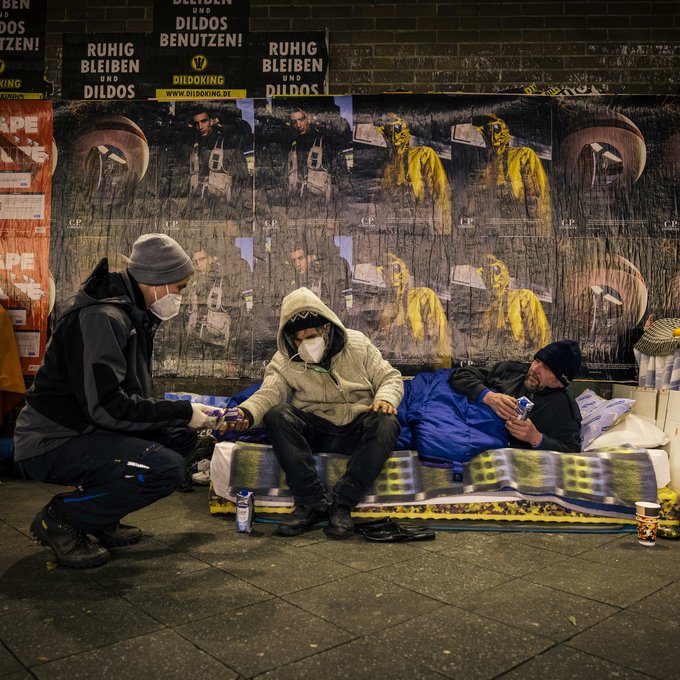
554 422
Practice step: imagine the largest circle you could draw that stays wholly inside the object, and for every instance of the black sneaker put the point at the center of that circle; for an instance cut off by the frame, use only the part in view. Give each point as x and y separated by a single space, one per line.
340 523
117 535
187 483
205 445
70 545
302 519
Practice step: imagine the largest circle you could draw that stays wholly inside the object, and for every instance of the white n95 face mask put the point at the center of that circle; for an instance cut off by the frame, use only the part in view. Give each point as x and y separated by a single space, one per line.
312 350
167 306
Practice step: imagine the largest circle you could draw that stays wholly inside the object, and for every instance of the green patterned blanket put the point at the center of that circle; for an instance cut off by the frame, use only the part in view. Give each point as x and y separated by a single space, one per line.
614 476
606 482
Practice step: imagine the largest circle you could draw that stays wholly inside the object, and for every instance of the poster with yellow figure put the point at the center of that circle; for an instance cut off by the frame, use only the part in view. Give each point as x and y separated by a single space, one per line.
513 176
413 317
402 155
513 316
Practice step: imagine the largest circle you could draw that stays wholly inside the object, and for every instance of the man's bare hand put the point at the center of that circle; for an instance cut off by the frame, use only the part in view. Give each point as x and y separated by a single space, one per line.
384 406
503 405
524 430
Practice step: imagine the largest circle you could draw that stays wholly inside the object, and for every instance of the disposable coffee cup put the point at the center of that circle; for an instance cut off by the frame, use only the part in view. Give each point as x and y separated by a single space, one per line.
646 509
647 528
647 516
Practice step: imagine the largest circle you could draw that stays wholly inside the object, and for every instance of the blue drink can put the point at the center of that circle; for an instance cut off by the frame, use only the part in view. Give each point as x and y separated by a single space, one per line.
524 407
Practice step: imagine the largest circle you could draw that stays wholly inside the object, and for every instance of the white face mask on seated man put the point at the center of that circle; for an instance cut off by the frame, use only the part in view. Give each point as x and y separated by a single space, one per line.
312 350
312 343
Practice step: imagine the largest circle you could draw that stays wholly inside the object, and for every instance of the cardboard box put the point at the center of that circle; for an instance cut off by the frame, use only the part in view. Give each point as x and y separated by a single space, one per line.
663 408
646 400
668 419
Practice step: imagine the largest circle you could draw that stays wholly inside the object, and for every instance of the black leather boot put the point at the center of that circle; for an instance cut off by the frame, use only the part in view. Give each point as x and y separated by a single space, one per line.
303 518
117 535
340 523
70 545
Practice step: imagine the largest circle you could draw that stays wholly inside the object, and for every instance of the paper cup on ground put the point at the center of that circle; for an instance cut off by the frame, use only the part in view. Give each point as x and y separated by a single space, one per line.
646 509
647 515
646 529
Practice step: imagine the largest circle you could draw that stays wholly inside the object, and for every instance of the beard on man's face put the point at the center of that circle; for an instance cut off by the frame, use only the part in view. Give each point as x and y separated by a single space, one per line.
532 381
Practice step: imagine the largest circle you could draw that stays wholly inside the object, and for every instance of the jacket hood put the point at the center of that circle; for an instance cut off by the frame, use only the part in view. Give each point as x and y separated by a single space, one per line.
304 300
102 287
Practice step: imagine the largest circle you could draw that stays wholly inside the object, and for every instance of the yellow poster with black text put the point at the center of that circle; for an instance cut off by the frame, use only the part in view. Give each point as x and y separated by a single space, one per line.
22 50
200 48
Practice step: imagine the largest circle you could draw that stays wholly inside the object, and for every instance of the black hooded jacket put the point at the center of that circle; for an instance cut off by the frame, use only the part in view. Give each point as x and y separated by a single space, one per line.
555 413
96 374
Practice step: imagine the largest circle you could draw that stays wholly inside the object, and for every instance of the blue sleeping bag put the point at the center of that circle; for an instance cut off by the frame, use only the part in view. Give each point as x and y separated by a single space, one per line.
442 424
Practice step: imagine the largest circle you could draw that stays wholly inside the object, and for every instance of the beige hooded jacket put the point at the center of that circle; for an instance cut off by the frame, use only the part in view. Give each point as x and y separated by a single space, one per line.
358 375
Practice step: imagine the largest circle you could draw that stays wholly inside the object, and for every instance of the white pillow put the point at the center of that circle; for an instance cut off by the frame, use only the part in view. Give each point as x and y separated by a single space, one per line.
634 431
587 401
598 415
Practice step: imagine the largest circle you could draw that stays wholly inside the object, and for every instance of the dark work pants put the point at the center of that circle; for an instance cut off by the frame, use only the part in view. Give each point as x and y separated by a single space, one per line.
367 441
114 473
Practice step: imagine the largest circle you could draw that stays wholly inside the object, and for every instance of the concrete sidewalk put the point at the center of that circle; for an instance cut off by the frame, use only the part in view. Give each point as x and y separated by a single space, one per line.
194 599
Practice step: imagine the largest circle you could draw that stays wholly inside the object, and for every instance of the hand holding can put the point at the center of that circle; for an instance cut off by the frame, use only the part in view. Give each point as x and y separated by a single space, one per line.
524 407
232 418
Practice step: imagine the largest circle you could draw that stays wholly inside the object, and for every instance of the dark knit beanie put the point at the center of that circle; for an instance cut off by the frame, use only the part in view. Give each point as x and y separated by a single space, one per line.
304 320
563 358
157 258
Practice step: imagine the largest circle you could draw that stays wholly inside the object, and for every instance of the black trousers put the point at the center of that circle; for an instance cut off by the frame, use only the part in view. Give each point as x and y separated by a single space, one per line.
367 441
114 473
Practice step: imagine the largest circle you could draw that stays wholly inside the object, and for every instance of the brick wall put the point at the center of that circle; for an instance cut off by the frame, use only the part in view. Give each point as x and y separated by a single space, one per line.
626 46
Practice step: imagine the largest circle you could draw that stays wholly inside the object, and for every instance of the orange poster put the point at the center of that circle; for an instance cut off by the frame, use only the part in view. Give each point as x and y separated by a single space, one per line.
26 160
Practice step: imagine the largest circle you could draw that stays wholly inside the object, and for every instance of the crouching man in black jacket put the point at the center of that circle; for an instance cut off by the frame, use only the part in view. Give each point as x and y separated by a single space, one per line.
554 423
90 421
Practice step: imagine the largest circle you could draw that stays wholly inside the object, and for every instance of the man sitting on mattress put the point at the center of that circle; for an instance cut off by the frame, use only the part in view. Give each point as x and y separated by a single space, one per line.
554 422
326 389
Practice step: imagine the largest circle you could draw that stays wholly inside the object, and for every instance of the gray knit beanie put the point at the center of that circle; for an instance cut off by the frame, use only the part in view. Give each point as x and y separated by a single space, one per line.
157 258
